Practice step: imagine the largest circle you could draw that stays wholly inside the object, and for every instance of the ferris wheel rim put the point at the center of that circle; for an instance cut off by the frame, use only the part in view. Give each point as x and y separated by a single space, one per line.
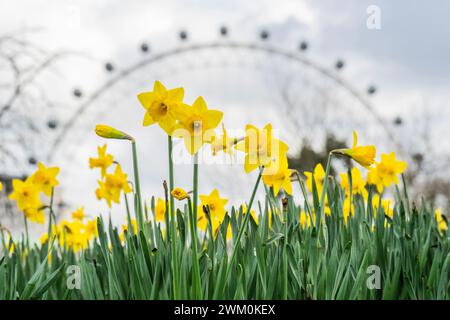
185 48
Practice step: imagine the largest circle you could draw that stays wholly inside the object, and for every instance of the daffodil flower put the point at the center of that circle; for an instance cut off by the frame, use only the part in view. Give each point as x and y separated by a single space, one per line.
385 173
364 155
25 193
78 214
252 213
35 214
43 238
305 219
104 160
179 194
217 211
45 178
386 204
160 210
358 183
441 222
160 106
278 175
196 124
223 143
112 185
348 209
319 177
260 147
125 228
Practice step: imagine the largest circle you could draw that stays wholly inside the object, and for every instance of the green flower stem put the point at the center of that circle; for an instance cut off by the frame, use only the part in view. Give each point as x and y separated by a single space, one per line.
405 191
305 195
50 215
269 196
243 226
172 226
196 280
350 191
26 231
194 230
324 192
139 215
195 195
171 180
127 206
285 261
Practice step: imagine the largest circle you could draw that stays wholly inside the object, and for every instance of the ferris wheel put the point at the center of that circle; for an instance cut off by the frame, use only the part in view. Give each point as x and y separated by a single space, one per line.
40 123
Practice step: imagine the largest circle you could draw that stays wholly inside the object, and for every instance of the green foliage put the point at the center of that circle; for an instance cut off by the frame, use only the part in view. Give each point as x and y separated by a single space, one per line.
280 261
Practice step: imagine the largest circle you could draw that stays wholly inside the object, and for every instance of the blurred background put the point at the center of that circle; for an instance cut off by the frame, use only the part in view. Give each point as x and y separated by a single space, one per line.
317 70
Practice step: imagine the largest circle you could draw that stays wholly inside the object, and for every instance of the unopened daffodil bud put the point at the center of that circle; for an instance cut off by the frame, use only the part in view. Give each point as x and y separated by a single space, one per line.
179 194
108 132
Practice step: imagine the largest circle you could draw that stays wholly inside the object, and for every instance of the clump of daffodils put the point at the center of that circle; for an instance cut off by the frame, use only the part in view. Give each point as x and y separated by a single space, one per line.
74 234
28 194
113 184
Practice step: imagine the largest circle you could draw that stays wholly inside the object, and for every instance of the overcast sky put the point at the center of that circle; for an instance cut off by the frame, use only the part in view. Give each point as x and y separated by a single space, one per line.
408 60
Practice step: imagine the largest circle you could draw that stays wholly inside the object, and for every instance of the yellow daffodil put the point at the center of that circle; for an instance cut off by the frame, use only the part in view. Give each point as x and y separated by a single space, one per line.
104 160
217 211
364 155
43 238
35 214
260 147
112 186
161 106
160 210
109 132
229 232
91 228
45 178
305 219
125 228
223 143
358 183
386 204
441 222
278 175
25 193
319 177
78 214
10 247
374 178
179 194
386 171
74 235
1 186
196 124
120 180
348 210
106 193
252 213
